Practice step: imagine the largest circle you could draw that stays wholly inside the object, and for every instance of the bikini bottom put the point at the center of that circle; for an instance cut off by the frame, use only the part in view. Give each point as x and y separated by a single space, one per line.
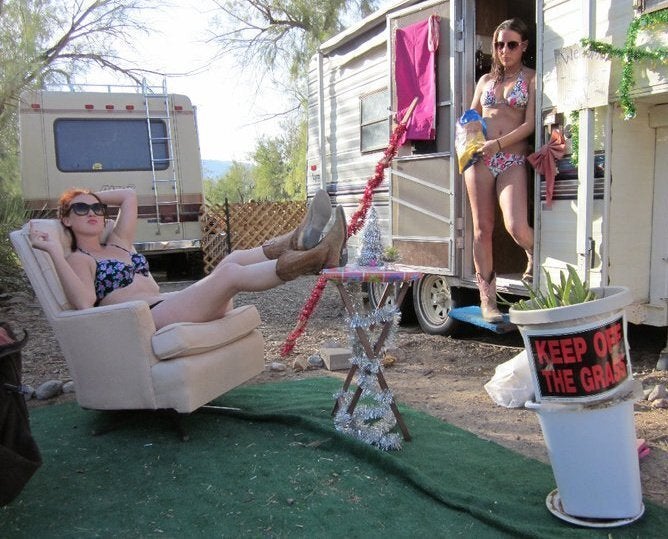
502 161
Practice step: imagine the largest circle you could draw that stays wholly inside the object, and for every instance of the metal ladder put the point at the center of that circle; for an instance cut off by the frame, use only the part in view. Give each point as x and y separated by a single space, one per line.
151 94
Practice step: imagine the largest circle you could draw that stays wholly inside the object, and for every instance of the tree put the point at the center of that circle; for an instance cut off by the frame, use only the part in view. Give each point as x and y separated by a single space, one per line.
283 34
236 185
50 41
278 37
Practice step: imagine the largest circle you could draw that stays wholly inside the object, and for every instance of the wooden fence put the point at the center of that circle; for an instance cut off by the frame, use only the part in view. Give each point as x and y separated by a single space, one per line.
228 227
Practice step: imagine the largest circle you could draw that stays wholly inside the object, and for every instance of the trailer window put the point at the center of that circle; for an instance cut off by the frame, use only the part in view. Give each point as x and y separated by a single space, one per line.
375 123
109 145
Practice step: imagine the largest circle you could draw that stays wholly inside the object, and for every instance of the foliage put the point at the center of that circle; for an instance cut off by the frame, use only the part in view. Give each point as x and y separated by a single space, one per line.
283 34
236 185
280 164
50 41
570 291
631 55
277 39
12 216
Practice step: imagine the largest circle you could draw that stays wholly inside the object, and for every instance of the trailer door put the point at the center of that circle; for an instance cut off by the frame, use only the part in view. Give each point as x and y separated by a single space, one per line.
422 179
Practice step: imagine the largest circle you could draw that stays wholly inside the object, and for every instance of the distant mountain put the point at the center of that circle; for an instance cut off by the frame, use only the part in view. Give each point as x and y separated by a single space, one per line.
214 170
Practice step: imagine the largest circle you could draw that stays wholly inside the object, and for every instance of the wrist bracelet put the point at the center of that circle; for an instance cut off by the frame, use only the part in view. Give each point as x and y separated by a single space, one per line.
499 143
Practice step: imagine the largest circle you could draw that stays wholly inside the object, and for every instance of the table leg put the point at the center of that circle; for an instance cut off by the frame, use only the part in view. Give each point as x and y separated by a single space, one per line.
372 352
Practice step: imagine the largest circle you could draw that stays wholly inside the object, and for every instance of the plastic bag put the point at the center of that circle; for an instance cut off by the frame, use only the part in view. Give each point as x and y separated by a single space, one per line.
470 136
512 386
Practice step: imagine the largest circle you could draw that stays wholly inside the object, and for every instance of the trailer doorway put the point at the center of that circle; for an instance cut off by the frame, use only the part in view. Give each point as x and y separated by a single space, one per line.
430 215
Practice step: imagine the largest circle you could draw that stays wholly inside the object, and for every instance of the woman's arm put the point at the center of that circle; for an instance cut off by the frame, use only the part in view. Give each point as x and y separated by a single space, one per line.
77 275
126 222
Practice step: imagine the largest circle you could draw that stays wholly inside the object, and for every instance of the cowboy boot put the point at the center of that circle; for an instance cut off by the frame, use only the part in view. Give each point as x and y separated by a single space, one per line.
490 312
307 234
327 254
527 276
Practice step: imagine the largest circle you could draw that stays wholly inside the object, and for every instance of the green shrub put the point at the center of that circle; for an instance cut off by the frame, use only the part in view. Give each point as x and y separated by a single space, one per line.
12 216
570 291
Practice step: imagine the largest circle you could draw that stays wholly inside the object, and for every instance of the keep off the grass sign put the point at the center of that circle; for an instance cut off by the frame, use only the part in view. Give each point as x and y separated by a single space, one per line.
580 365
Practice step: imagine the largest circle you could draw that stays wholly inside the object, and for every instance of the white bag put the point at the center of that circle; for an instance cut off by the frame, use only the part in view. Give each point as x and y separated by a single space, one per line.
511 386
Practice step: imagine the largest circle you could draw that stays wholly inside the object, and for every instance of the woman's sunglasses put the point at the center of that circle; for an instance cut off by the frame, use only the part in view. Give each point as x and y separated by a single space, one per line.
81 208
512 45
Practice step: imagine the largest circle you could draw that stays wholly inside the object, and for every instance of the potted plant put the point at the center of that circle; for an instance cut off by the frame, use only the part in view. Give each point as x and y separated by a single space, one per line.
575 338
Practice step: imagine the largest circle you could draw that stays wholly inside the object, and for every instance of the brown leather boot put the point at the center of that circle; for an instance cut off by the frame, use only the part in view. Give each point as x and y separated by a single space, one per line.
490 312
327 254
307 234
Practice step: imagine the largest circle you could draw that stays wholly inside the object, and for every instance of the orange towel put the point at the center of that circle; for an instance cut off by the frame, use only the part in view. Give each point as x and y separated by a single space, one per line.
545 162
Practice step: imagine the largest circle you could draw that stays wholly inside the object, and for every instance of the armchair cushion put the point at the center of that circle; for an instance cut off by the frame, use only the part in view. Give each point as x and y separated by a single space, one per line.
187 339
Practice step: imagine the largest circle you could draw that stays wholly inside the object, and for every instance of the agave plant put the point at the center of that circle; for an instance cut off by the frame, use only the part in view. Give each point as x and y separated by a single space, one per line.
569 291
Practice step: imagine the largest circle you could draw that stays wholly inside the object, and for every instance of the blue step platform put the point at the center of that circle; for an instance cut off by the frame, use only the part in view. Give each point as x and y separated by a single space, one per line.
472 315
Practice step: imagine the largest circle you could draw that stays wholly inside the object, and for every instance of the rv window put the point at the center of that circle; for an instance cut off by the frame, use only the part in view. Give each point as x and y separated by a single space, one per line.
109 145
374 120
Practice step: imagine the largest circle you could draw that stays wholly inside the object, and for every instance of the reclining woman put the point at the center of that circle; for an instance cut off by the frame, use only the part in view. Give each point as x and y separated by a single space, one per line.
95 273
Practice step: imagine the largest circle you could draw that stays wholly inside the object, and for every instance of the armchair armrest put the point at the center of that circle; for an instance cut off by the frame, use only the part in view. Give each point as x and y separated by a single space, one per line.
109 355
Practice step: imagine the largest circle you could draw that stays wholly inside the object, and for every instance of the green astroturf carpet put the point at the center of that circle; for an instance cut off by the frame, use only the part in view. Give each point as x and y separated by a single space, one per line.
279 468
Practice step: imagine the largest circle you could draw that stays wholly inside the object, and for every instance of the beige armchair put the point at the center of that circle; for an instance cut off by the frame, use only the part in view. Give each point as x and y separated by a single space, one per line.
118 360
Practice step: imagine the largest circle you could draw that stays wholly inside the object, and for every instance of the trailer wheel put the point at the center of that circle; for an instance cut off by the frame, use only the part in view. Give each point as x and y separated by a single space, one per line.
433 299
375 292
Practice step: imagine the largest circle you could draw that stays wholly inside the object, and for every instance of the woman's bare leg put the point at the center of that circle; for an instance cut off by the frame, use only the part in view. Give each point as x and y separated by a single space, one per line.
482 197
245 257
512 188
208 298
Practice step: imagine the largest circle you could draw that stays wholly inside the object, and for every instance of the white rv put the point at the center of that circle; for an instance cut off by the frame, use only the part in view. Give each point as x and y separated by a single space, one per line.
608 216
145 139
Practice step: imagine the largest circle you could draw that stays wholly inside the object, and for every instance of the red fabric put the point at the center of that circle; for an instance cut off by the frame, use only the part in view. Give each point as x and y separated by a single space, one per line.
545 162
415 75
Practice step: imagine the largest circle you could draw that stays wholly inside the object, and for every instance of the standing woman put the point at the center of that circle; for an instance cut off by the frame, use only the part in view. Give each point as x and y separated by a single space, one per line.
506 99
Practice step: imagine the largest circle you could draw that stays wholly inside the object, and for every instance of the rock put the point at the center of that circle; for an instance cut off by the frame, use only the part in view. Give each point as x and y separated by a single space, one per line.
68 387
299 365
662 364
277 367
659 403
49 389
646 393
315 361
659 392
28 392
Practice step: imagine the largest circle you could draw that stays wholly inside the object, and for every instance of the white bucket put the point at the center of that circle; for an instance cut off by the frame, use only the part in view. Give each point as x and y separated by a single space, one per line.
592 449
578 353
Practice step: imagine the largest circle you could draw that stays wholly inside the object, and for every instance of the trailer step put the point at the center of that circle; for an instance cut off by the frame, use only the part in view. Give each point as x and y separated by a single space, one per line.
472 315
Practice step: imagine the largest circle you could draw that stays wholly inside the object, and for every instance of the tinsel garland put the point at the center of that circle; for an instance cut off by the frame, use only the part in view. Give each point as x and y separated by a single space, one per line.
355 224
631 54
370 423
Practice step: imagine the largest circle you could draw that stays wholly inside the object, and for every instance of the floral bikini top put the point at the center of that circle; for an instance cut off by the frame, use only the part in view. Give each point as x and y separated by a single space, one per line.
111 273
518 97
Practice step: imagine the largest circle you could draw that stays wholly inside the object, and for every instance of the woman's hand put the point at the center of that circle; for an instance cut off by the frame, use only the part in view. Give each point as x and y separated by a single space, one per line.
490 148
42 241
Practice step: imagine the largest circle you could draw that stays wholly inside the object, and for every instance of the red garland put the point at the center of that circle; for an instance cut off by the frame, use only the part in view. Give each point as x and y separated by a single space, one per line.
354 226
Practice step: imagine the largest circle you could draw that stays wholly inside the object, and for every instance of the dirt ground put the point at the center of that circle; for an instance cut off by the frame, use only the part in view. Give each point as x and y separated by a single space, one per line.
442 376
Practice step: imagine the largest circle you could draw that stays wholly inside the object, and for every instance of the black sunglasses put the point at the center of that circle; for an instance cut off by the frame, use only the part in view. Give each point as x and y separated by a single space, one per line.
81 208
512 45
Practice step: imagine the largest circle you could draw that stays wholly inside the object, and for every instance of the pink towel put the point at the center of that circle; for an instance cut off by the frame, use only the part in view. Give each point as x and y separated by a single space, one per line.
545 162
415 74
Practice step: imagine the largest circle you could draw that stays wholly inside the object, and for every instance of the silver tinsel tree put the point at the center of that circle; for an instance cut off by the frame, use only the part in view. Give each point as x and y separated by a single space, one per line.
371 246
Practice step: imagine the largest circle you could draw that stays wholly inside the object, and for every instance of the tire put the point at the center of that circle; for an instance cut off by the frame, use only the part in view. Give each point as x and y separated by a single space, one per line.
375 292
433 299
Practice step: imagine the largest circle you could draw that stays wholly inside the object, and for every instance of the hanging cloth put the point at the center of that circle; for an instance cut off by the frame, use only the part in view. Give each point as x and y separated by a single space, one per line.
545 162
415 75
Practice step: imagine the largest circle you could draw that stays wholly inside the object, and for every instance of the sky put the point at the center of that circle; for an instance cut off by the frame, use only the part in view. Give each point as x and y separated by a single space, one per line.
229 111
